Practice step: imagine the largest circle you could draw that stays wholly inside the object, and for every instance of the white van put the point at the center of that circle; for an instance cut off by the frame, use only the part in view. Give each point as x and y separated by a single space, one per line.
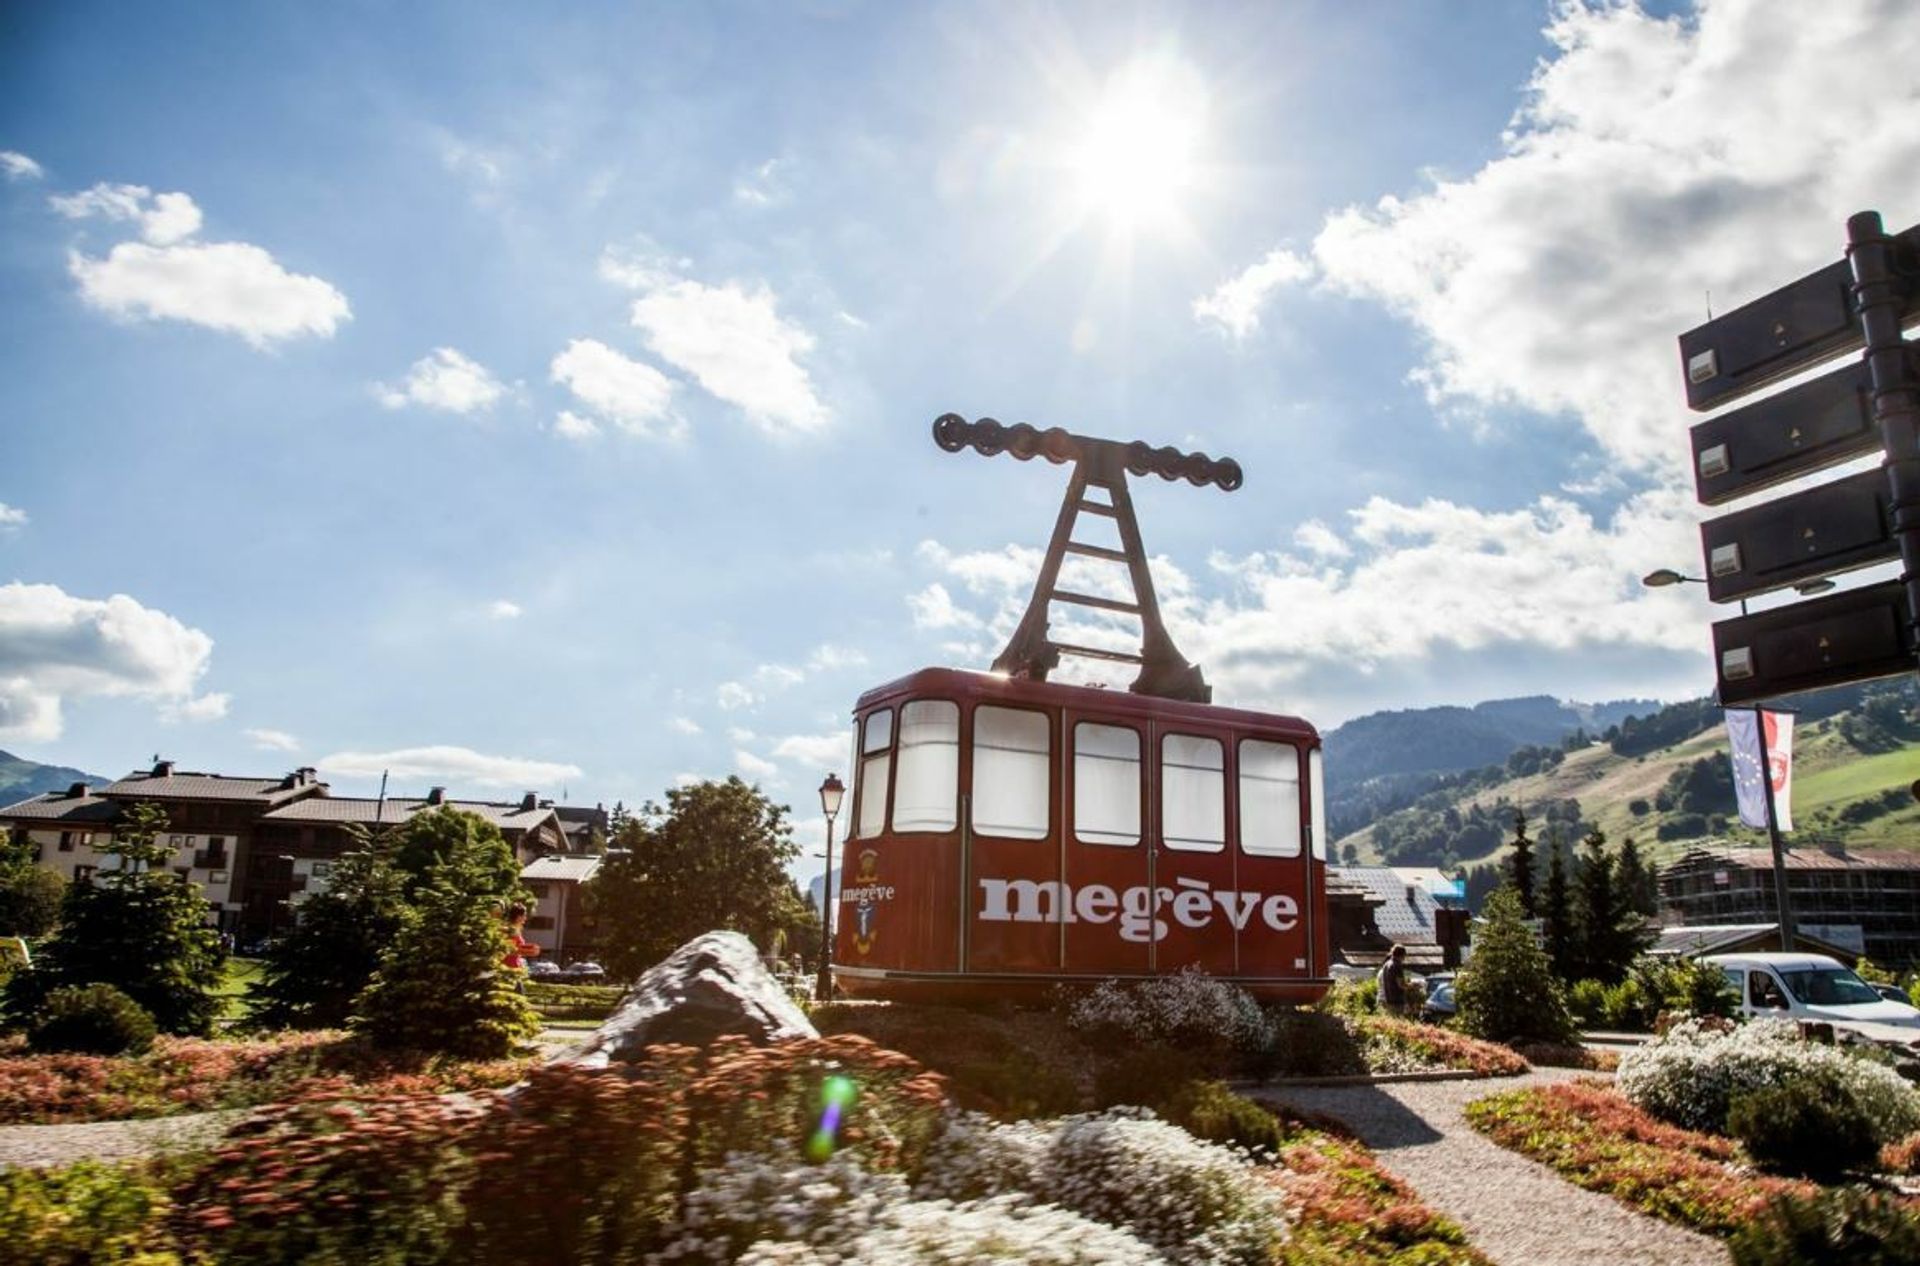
1809 987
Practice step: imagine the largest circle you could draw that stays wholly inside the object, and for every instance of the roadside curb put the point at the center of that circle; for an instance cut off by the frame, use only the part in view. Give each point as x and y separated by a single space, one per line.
1372 1079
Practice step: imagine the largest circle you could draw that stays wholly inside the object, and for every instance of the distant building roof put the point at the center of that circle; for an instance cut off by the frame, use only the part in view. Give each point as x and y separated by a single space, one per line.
162 782
562 868
1816 858
85 809
1406 909
1703 939
512 816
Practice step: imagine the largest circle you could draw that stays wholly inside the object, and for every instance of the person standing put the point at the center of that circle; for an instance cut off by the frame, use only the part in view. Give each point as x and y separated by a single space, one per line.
1393 982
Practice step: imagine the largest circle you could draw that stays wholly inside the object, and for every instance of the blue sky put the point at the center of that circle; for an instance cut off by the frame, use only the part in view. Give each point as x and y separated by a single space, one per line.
537 396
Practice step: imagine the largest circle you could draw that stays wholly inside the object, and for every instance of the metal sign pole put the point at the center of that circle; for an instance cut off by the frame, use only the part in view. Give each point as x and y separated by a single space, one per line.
1880 300
1782 905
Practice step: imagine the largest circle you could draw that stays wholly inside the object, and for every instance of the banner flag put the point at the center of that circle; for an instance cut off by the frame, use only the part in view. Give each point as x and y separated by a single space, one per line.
1743 728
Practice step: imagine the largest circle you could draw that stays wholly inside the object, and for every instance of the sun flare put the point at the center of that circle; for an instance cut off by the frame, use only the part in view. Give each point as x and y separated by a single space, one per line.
1137 156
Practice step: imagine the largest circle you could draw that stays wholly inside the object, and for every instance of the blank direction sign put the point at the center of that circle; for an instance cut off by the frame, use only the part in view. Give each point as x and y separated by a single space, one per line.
1845 637
1803 429
1821 531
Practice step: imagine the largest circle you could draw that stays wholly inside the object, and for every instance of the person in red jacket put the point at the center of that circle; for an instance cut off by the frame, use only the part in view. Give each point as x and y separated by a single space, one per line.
522 949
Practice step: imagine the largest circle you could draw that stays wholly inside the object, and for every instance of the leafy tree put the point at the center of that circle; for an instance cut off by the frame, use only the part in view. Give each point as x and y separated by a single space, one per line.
1557 911
425 840
1506 992
714 856
30 894
313 973
138 927
1520 864
442 984
1612 934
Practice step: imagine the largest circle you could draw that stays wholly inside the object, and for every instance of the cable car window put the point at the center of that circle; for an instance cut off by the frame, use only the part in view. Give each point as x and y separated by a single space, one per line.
1317 805
1269 799
1106 784
927 787
1193 794
876 758
1010 774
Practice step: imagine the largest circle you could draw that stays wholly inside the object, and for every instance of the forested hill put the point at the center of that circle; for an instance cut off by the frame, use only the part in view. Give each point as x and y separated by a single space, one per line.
1662 777
21 778
1444 740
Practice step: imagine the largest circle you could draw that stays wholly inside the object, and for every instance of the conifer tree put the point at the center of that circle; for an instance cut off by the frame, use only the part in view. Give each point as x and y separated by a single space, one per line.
313 973
1520 864
138 927
1612 934
1506 992
1639 883
442 984
1558 912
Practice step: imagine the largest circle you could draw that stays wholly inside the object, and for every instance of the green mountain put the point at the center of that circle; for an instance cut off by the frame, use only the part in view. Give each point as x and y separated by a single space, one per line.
1662 778
21 778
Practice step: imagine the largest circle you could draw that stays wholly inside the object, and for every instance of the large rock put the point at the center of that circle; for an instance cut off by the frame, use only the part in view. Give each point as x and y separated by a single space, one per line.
711 987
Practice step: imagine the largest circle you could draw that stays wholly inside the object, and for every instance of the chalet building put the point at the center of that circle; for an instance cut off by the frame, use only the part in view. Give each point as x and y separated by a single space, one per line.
255 846
1373 908
1868 898
558 922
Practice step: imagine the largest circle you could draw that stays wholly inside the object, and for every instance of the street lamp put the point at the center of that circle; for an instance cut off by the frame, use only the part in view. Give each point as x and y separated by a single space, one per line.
831 794
1668 576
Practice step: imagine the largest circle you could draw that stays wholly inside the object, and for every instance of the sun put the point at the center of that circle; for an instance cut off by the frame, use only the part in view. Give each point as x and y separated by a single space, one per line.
1136 158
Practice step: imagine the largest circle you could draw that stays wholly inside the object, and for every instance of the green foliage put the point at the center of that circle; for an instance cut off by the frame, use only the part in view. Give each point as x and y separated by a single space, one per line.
1507 991
1520 865
1637 736
713 857
313 973
1208 1110
442 984
1811 1127
1628 1007
423 841
83 1214
1639 883
1352 998
30 894
1846 1227
90 1020
139 928
1703 786
1587 1001
1556 908
1612 933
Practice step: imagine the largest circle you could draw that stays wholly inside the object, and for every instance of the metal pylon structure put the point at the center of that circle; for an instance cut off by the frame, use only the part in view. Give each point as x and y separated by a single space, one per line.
1097 465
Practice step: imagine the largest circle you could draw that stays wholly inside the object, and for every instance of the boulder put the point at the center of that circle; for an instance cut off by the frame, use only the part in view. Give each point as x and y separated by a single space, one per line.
711 987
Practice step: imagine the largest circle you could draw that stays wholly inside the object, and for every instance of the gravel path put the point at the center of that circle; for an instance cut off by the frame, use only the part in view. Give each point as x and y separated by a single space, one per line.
42 1145
1516 1211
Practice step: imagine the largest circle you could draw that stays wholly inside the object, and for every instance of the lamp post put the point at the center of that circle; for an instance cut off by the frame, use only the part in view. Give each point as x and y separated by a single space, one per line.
1668 576
831 794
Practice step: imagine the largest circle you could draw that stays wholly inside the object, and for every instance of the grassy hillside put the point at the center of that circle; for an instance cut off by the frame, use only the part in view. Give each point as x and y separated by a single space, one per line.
1839 793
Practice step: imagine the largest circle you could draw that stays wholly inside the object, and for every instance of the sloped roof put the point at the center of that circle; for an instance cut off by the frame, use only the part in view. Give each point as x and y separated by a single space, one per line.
59 807
145 785
1815 858
367 810
562 868
1406 911
1702 939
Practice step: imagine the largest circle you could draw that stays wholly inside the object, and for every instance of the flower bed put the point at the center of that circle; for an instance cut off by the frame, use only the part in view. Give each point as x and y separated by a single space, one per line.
1396 1045
1354 1213
1591 1135
197 1075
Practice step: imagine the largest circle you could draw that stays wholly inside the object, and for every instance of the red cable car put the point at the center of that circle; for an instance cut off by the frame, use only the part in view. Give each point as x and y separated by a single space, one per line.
1008 833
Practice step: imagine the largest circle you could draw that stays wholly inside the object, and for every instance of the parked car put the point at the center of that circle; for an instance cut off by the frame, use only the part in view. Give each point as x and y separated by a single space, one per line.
1439 1004
1892 993
541 969
583 973
1809 987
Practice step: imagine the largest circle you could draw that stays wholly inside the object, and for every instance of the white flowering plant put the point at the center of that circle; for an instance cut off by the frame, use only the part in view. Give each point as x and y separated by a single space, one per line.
1692 1075
1185 1008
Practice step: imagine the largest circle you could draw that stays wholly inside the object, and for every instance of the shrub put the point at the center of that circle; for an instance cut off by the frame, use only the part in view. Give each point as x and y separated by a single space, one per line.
1507 992
1691 1075
1148 1077
1587 1003
315 971
1211 1112
976 1157
1352 997
1809 1126
1000 1060
1902 1156
989 1232
1313 1044
1847 1227
1396 1045
82 1214
91 1020
1682 985
1189 1009
1626 1006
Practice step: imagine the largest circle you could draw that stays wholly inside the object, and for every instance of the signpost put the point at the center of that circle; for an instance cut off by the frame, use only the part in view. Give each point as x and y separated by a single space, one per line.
1861 303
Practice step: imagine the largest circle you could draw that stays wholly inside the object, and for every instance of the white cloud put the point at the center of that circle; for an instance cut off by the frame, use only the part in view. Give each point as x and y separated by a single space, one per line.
572 426
18 166
934 608
753 766
732 695
1235 305
445 380
685 725
207 707
503 609
1653 161
986 571
55 647
821 751
1321 541
762 187
633 395
777 676
161 219
12 516
730 338
273 740
233 287
459 765
739 734
827 658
